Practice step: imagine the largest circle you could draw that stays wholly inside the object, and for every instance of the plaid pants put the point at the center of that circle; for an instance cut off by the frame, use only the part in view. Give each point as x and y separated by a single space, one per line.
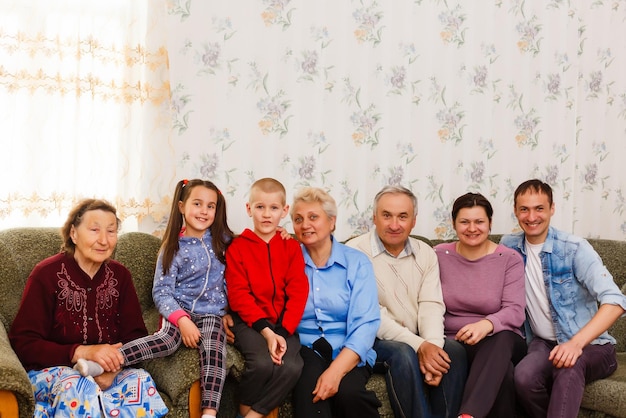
212 349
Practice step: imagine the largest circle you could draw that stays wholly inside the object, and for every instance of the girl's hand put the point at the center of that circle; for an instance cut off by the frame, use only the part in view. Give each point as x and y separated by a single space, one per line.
189 332
473 333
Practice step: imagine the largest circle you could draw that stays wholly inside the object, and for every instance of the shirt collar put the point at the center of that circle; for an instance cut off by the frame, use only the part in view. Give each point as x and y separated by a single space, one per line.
378 247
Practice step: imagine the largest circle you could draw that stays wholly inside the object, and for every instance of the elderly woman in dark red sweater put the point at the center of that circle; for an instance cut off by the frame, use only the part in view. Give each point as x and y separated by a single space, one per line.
81 304
483 290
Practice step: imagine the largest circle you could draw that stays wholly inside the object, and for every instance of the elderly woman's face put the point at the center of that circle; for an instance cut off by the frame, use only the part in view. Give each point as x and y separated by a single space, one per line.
311 224
95 237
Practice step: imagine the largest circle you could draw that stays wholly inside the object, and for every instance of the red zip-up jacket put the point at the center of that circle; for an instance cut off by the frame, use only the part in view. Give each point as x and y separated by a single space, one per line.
265 282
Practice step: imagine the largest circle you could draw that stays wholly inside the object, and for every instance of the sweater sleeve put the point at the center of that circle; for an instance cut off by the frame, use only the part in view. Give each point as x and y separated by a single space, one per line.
163 291
511 314
33 324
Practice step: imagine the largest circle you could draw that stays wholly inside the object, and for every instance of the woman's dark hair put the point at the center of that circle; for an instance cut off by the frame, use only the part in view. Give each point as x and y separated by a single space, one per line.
469 200
75 217
220 232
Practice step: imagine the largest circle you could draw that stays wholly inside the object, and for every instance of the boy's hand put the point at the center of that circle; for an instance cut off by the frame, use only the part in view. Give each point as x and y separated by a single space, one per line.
189 332
276 345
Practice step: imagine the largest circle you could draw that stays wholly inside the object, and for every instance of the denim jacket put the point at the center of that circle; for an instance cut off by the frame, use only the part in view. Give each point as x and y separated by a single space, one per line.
576 281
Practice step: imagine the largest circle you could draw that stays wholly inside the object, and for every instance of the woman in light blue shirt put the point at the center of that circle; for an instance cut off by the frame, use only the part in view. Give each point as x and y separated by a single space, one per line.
340 318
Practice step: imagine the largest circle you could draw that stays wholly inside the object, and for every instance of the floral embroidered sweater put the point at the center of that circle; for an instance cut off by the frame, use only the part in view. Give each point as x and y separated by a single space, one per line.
62 308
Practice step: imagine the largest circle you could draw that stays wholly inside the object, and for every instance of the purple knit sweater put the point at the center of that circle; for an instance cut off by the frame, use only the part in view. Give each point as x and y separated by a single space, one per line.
491 287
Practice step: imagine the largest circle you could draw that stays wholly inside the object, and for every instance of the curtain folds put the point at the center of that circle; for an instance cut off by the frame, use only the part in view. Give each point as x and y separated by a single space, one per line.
84 92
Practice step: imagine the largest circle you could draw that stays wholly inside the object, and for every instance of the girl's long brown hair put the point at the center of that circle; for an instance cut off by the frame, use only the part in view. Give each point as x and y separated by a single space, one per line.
220 232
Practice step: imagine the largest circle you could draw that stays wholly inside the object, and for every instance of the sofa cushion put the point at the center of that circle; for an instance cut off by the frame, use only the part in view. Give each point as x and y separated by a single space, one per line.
608 395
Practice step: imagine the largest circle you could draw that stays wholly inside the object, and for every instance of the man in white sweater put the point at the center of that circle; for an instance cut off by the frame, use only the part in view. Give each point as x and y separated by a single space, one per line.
425 372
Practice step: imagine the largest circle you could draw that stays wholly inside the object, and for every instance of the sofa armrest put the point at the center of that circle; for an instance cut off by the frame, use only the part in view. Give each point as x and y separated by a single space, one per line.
13 377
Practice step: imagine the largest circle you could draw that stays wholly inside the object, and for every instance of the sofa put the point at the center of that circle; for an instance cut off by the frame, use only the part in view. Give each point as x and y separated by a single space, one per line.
175 376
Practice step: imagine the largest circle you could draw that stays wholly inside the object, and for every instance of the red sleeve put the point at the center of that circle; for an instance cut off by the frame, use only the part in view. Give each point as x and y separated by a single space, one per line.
240 297
296 286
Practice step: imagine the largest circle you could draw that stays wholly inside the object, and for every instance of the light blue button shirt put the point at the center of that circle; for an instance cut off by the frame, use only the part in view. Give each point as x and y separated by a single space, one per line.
576 281
343 303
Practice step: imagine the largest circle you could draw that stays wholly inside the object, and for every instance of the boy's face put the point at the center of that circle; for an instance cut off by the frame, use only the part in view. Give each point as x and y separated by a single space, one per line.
266 211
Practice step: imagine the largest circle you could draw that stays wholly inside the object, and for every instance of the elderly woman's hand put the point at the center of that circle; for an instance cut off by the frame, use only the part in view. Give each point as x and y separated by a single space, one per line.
105 380
107 355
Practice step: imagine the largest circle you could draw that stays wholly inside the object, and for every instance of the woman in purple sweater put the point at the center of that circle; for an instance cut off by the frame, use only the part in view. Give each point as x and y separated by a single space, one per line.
483 290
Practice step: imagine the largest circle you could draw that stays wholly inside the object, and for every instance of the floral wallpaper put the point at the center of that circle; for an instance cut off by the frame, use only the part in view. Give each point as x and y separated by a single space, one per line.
442 96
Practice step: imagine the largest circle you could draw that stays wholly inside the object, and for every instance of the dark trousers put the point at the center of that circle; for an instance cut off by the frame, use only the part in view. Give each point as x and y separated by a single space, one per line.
490 388
545 391
352 400
264 385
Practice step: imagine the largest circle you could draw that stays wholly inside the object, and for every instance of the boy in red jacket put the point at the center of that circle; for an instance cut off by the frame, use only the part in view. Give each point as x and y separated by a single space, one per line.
267 290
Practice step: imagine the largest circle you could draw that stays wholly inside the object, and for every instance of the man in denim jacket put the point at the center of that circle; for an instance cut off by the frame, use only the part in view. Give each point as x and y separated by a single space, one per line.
565 282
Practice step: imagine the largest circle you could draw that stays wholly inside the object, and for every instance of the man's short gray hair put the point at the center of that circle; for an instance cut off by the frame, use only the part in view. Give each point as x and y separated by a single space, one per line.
393 189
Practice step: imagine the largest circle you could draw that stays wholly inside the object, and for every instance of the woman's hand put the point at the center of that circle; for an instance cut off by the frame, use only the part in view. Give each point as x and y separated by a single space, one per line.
473 333
106 355
105 380
284 234
328 383
189 331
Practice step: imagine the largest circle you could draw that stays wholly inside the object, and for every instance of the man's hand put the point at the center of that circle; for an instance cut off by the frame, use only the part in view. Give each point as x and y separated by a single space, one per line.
565 355
189 331
434 362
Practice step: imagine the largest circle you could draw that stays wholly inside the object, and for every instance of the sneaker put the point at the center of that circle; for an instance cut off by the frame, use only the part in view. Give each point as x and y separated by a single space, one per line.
88 368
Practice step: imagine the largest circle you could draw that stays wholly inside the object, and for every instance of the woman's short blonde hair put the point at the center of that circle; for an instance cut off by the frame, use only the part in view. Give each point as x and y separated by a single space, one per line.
315 194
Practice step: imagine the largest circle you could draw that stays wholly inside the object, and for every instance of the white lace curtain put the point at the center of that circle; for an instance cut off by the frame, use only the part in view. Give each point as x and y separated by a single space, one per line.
84 99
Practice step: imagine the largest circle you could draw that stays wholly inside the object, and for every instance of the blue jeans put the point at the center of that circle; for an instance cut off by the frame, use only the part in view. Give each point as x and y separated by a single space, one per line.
410 397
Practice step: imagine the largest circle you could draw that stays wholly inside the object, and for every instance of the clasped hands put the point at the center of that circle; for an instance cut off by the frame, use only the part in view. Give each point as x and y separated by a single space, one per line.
434 363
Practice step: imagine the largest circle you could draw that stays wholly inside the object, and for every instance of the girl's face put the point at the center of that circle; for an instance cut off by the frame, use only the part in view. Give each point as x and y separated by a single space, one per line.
198 211
472 226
